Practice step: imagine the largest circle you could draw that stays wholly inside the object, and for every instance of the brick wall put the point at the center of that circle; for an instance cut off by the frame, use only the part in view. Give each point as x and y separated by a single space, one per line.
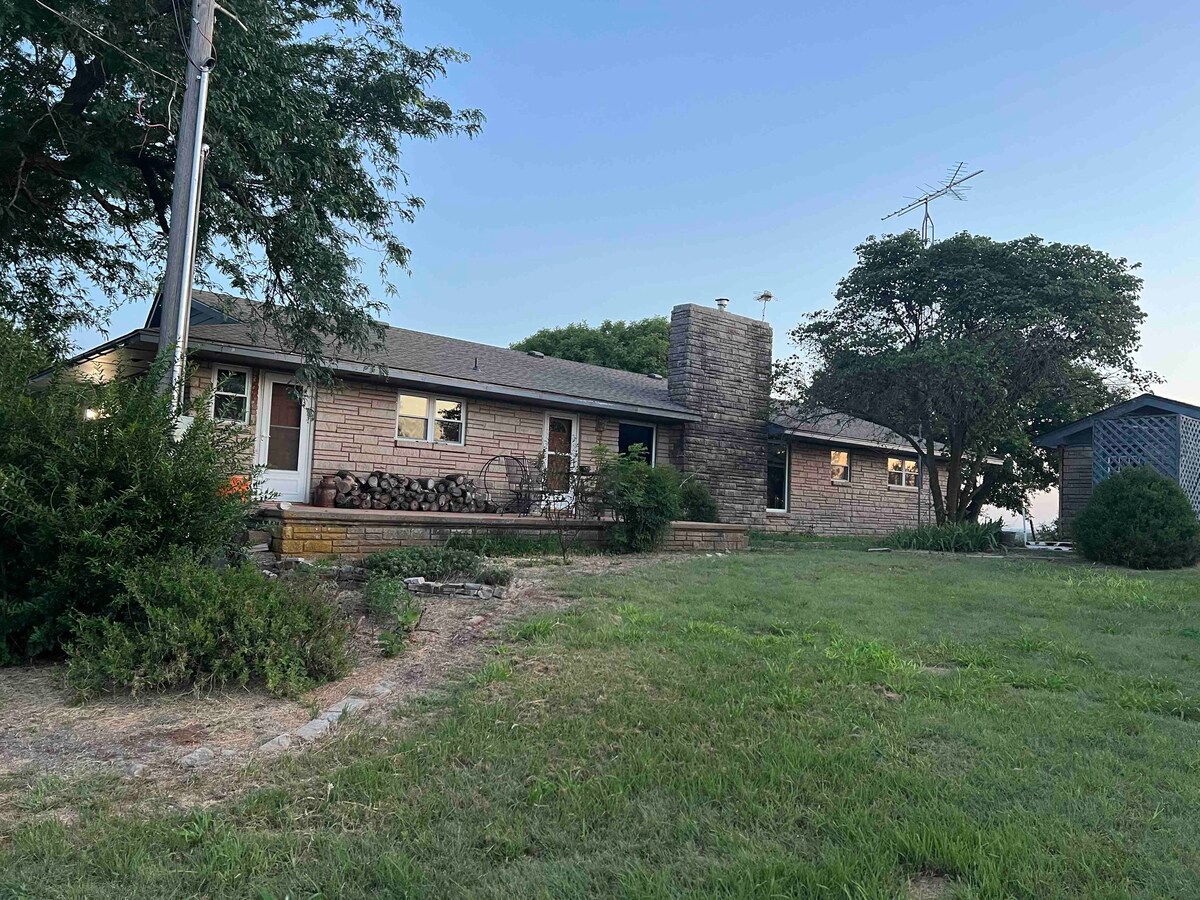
322 533
1075 482
719 367
356 427
865 505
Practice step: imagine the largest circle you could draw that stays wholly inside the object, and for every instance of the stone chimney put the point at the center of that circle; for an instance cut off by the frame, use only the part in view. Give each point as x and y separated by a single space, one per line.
719 367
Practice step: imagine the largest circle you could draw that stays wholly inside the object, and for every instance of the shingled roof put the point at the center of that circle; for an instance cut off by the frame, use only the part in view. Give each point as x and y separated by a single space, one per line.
232 326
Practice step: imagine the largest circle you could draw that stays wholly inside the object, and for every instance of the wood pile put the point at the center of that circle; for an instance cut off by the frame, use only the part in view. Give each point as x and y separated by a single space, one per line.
387 490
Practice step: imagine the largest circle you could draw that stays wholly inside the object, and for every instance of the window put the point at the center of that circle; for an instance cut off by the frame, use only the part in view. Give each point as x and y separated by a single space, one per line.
777 477
839 465
902 472
631 433
421 418
231 398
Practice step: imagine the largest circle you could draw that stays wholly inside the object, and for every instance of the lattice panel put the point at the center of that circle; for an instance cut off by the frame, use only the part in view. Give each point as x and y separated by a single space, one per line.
1135 441
1189 459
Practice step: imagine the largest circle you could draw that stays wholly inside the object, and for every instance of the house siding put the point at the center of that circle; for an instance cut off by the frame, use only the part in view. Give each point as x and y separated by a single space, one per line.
866 504
1075 482
356 425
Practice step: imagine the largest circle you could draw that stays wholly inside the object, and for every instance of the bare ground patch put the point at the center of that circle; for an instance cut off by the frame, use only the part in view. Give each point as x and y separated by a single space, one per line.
46 737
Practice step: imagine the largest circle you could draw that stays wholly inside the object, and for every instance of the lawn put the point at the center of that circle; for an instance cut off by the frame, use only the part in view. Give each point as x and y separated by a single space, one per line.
813 721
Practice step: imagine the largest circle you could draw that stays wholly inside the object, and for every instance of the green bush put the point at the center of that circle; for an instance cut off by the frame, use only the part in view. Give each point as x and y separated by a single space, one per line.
1140 519
495 575
958 537
390 604
433 563
505 544
643 499
83 500
179 622
696 502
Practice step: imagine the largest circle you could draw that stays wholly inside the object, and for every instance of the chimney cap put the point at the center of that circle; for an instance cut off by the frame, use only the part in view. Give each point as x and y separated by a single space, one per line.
723 303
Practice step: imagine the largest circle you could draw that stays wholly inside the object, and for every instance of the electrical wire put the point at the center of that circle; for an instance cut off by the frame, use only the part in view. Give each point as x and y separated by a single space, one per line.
102 40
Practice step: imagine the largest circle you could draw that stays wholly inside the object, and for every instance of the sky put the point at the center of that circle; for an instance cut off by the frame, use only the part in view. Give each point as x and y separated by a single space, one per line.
640 155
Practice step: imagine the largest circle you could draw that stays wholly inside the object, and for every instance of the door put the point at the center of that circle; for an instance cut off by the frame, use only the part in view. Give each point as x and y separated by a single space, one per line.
284 439
561 446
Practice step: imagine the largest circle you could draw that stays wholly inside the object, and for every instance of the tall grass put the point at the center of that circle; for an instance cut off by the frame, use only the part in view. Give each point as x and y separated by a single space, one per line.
959 537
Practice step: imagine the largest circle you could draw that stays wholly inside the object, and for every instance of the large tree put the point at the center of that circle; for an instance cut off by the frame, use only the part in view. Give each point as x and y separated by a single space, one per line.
638 346
309 103
969 348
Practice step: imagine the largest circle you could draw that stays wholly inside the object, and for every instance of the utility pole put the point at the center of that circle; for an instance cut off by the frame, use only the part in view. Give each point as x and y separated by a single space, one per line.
185 201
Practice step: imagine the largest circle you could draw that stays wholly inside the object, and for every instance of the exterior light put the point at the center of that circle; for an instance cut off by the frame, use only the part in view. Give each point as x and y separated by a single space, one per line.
90 413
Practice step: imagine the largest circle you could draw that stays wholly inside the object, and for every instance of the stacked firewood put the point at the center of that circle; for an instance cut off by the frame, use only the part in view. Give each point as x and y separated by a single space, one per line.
387 490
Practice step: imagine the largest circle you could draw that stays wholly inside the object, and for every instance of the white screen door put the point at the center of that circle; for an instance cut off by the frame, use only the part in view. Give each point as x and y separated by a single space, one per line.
561 446
284 438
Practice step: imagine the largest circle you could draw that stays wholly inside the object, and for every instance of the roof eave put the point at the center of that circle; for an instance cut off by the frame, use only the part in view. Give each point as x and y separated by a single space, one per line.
460 385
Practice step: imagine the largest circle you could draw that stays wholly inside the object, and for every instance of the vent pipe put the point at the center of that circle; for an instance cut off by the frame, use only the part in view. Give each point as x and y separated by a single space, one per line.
723 304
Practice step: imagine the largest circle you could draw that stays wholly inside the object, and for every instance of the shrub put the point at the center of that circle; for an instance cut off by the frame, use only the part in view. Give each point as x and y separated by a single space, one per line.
390 603
496 576
182 622
505 544
1140 519
422 562
644 499
84 500
697 502
957 537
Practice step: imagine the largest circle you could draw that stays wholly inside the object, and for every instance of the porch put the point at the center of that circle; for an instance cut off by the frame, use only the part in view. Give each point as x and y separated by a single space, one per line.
312 531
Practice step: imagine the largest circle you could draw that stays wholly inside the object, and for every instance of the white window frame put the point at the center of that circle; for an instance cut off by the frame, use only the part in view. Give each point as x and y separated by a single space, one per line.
431 419
787 478
849 467
904 474
653 427
212 410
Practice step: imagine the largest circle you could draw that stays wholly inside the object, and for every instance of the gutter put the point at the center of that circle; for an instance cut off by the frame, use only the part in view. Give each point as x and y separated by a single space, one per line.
818 438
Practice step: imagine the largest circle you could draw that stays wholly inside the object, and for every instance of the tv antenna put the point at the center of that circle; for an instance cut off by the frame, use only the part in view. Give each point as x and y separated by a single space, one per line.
951 187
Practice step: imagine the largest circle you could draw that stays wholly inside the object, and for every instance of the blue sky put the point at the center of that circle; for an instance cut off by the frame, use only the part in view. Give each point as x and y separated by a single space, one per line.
639 155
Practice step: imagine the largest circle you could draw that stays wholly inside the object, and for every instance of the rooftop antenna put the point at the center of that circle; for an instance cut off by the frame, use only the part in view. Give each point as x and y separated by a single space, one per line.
952 187
764 297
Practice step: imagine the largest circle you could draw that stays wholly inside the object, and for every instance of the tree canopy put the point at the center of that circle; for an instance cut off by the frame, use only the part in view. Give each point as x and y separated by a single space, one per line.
309 103
638 346
970 348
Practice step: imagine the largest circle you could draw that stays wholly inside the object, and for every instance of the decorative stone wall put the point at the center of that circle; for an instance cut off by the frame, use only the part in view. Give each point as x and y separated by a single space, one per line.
719 367
325 533
866 504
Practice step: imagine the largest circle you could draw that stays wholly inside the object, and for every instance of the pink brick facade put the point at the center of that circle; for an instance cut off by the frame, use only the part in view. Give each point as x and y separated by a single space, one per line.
866 504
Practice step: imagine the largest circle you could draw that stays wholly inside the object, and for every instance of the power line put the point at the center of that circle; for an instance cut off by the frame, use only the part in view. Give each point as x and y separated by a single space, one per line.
102 40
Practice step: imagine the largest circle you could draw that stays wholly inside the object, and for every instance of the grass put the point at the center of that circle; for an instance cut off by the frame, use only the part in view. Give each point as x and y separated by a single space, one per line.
819 722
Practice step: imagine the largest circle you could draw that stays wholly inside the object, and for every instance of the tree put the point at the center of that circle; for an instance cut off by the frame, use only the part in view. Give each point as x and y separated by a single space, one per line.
970 348
308 106
639 346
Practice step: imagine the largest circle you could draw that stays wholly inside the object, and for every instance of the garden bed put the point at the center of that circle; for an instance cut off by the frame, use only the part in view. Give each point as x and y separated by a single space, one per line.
47 734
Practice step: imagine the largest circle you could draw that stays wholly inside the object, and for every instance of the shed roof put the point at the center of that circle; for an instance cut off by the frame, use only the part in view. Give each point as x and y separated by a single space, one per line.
1142 404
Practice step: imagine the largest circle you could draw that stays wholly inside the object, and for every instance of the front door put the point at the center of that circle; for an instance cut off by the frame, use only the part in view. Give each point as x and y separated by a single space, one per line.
284 441
561 446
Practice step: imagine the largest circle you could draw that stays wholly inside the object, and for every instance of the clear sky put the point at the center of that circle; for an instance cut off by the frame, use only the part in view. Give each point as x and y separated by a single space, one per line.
638 155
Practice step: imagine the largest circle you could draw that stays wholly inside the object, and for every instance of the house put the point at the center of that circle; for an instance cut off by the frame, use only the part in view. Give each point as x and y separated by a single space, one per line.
1145 431
427 405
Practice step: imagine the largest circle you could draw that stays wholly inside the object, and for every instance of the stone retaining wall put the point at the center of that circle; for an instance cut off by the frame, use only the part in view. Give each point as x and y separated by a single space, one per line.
325 533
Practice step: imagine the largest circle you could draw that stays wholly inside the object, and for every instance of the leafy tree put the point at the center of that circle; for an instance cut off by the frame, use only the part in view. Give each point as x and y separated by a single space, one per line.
308 105
977 345
639 346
